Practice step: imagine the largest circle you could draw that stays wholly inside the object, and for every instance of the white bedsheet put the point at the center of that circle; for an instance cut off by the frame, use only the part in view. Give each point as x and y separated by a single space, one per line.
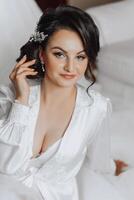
115 21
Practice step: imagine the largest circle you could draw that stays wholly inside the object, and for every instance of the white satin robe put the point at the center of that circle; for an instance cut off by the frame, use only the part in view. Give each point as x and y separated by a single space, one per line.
80 168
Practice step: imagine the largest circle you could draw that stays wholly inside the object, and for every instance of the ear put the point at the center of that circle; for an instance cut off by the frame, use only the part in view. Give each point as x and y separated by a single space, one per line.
41 55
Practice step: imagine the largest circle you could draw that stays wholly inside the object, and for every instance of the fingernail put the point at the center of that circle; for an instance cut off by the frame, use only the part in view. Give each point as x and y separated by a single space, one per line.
33 60
24 56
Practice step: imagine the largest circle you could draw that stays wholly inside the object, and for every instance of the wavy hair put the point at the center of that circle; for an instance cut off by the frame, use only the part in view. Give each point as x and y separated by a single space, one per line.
70 18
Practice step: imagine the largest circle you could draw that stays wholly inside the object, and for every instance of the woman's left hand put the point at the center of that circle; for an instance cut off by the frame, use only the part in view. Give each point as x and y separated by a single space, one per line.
119 166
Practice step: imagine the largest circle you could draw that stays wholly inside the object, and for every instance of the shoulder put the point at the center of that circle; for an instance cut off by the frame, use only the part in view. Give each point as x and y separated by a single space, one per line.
93 98
98 98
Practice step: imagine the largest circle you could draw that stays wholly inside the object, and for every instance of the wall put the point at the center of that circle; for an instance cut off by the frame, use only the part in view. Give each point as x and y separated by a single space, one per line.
87 3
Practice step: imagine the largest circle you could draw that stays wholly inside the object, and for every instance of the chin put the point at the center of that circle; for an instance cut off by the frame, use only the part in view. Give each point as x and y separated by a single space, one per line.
67 83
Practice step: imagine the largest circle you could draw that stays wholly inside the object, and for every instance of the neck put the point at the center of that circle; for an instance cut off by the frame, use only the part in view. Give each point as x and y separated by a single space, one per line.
51 93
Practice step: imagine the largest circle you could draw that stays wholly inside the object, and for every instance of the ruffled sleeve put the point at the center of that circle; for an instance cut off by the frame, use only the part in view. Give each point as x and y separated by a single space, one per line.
13 138
99 152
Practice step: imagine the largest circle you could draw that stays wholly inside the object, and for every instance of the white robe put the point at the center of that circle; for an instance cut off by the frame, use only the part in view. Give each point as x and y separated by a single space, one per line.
81 167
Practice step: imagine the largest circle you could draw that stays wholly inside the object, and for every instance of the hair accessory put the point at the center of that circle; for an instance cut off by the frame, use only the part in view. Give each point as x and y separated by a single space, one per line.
38 37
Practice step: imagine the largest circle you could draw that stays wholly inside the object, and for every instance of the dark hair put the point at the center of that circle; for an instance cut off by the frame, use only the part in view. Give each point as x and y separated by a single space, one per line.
65 17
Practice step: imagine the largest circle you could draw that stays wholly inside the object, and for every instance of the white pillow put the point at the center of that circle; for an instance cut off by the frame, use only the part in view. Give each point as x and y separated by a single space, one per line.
117 61
115 21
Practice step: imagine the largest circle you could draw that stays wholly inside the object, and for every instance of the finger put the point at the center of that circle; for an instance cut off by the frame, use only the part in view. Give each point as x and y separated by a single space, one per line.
28 63
24 74
12 75
19 70
22 69
124 164
21 61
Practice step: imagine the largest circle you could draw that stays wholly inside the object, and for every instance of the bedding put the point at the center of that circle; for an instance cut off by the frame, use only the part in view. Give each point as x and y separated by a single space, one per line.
115 21
116 71
117 61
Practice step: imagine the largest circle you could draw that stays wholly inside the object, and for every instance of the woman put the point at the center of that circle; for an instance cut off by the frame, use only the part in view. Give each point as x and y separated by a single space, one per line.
52 137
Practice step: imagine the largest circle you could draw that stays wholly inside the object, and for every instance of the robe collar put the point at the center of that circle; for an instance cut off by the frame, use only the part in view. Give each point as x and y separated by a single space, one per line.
83 98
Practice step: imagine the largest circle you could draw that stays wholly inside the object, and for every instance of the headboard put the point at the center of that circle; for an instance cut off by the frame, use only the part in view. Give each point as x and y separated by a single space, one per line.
86 3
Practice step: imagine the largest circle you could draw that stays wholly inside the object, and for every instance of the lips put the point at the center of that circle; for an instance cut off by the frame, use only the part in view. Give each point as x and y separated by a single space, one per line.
68 76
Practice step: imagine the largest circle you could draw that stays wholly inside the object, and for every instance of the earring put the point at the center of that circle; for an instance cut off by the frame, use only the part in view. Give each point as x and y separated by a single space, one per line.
43 67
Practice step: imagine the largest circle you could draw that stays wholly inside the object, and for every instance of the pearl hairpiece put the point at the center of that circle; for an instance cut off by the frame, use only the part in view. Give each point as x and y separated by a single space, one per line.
38 37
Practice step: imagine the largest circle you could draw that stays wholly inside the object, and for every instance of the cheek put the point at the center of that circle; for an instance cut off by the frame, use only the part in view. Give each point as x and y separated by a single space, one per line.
82 68
53 63
50 64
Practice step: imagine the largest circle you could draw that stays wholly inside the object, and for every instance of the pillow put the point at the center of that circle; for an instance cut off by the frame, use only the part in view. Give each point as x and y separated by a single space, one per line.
117 61
115 21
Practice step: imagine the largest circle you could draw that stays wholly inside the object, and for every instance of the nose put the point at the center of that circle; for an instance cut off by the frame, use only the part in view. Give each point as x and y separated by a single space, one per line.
69 65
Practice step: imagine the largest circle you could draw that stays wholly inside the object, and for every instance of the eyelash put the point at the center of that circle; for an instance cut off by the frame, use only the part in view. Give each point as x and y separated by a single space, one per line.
81 57
59 54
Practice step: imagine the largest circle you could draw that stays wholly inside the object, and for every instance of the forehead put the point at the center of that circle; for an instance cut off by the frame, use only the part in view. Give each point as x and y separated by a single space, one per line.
66 39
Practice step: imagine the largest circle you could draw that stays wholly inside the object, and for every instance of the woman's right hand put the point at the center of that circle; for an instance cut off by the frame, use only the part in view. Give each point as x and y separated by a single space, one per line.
18 77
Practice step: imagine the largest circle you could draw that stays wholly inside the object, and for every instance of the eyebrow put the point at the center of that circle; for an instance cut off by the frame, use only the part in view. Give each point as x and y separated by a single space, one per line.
65 50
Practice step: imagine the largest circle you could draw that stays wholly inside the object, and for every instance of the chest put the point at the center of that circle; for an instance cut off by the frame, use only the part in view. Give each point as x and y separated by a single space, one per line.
50 126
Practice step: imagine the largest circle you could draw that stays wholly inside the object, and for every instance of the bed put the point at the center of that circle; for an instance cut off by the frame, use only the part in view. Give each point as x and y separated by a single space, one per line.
115 72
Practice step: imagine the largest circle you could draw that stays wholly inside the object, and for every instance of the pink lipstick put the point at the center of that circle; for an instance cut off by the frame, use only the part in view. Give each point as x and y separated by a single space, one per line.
68 76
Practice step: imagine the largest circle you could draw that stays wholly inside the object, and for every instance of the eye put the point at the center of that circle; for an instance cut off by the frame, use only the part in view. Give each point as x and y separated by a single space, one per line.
59 54
81 57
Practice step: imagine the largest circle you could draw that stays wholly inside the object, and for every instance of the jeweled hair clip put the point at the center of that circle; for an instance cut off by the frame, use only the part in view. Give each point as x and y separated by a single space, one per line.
38 37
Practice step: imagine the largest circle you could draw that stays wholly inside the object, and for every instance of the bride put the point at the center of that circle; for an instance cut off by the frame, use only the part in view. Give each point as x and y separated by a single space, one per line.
54 136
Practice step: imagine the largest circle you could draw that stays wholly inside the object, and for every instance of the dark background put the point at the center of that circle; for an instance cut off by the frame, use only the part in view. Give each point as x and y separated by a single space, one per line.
43 4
